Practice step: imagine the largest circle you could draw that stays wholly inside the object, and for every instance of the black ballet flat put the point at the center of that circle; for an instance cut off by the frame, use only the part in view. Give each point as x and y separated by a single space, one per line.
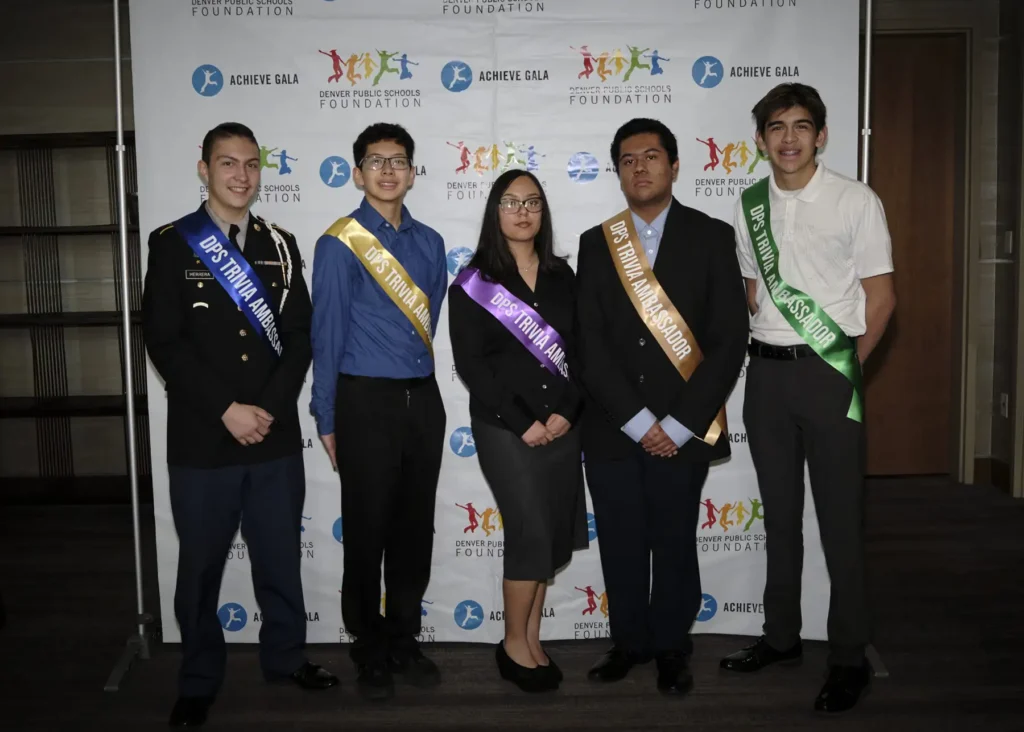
530 680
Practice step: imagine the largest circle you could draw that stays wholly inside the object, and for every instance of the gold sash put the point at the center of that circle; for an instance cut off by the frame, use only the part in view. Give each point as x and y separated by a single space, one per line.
388 273
655 309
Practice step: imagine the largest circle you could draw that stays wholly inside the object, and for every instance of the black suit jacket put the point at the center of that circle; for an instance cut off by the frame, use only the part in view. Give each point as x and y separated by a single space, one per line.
623 369
209 356
507 386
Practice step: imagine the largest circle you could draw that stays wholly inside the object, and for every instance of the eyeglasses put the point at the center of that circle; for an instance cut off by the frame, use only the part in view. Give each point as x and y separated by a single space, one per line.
376 162
512 205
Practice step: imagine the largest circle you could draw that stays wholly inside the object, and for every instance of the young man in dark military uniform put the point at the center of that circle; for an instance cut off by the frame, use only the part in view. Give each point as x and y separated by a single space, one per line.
226 318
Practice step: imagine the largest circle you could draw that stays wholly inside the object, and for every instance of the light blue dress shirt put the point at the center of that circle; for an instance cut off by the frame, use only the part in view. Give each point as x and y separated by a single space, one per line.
636 428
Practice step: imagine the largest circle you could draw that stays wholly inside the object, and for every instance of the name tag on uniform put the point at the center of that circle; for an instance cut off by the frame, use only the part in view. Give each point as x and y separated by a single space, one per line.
198 274
267 263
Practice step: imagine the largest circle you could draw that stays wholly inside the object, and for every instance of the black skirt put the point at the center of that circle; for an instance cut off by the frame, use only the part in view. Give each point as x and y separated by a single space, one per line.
540 494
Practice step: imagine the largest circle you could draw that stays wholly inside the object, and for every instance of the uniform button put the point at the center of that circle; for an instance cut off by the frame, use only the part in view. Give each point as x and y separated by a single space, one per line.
546 406
242 332
273 284
536 304
642 342
641 378
199 285
245 357
543 386
239 309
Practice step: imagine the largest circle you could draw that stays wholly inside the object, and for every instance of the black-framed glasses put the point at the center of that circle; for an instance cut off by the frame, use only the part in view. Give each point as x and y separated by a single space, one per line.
512 205
376 162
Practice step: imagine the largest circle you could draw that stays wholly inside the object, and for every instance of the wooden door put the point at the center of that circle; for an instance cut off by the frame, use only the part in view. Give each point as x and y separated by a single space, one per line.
918 108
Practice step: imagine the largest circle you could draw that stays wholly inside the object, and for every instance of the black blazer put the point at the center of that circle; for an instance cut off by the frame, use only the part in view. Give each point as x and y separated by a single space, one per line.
623 369
508 387
208 355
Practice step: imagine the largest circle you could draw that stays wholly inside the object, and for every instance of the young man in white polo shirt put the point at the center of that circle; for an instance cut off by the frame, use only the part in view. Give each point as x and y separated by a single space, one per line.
815 253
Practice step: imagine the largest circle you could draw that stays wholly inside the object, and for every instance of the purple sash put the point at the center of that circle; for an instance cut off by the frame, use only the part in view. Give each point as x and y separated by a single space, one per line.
541 340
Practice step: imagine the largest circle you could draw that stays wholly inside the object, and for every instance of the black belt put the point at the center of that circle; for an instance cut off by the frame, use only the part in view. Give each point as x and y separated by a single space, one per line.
781 353
383 381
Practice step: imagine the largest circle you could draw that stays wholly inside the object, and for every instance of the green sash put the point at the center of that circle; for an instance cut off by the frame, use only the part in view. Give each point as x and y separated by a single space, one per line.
808 318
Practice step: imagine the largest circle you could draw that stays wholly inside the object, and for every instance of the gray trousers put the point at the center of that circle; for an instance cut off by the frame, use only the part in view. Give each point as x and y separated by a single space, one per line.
796 410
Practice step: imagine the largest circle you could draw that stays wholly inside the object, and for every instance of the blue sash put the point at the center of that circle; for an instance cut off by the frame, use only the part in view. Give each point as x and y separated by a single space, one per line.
234 274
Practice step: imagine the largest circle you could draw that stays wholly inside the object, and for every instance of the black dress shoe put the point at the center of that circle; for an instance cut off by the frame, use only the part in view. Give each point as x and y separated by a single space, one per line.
374 681
615 665
415 668
759 655
190 711
552 670
845 686
311 676
530 680
674 677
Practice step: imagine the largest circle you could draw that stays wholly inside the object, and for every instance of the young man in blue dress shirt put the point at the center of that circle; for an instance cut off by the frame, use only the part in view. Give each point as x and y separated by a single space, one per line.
379 278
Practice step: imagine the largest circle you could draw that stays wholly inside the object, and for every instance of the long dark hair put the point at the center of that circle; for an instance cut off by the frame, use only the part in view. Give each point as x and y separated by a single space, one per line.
492 256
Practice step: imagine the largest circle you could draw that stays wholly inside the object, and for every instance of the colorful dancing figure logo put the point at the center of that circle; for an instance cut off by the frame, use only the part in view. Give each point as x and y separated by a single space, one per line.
494 159
361 66
611 63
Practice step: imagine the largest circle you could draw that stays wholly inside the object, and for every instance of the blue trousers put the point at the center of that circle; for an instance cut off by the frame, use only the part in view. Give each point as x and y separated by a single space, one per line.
208 505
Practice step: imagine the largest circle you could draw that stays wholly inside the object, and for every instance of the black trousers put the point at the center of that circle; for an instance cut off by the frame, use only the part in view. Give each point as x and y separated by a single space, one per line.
796 409
646 512
390 437
208 504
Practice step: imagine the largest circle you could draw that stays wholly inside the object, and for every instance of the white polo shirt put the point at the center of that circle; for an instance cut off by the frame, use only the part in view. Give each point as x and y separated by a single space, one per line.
831 234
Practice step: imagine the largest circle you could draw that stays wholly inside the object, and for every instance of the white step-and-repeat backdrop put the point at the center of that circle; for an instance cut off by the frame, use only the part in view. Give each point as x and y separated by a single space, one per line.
482 86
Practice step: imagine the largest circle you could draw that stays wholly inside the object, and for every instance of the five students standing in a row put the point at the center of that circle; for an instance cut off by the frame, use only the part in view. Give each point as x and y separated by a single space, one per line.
631 359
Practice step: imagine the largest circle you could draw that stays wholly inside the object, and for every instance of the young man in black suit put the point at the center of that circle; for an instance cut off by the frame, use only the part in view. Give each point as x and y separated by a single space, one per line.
226 318
661 349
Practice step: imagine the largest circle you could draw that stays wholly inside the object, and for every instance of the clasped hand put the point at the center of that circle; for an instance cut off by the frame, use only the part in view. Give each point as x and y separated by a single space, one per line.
247 423
542 434
657 442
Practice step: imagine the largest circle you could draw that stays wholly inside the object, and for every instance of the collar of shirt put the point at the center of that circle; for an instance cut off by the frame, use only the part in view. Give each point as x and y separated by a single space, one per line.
225 227
807 194
651 233
374 222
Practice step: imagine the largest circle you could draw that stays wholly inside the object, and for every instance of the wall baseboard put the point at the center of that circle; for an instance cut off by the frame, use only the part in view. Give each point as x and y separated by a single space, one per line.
989 471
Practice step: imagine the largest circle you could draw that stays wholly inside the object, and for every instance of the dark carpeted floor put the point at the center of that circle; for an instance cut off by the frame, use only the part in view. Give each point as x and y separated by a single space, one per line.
946 576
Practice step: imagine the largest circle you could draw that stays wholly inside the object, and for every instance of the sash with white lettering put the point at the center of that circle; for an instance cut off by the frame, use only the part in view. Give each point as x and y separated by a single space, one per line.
808 319
542 341
654 307
389 273
234 274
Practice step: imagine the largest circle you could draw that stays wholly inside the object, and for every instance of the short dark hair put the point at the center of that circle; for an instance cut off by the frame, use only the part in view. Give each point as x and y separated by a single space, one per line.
379 133
224 131
492 256
640 126
787 96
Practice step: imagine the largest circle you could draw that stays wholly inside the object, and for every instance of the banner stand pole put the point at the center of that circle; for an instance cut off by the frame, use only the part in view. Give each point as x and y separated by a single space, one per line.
138 643
874 658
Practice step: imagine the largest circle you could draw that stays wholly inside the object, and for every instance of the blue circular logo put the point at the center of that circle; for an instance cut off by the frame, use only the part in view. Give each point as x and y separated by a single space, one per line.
207 80
335 171
458 258
456 76
708 72
583 167
336 530
462 443
469 615
591 527
708 608
232 616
